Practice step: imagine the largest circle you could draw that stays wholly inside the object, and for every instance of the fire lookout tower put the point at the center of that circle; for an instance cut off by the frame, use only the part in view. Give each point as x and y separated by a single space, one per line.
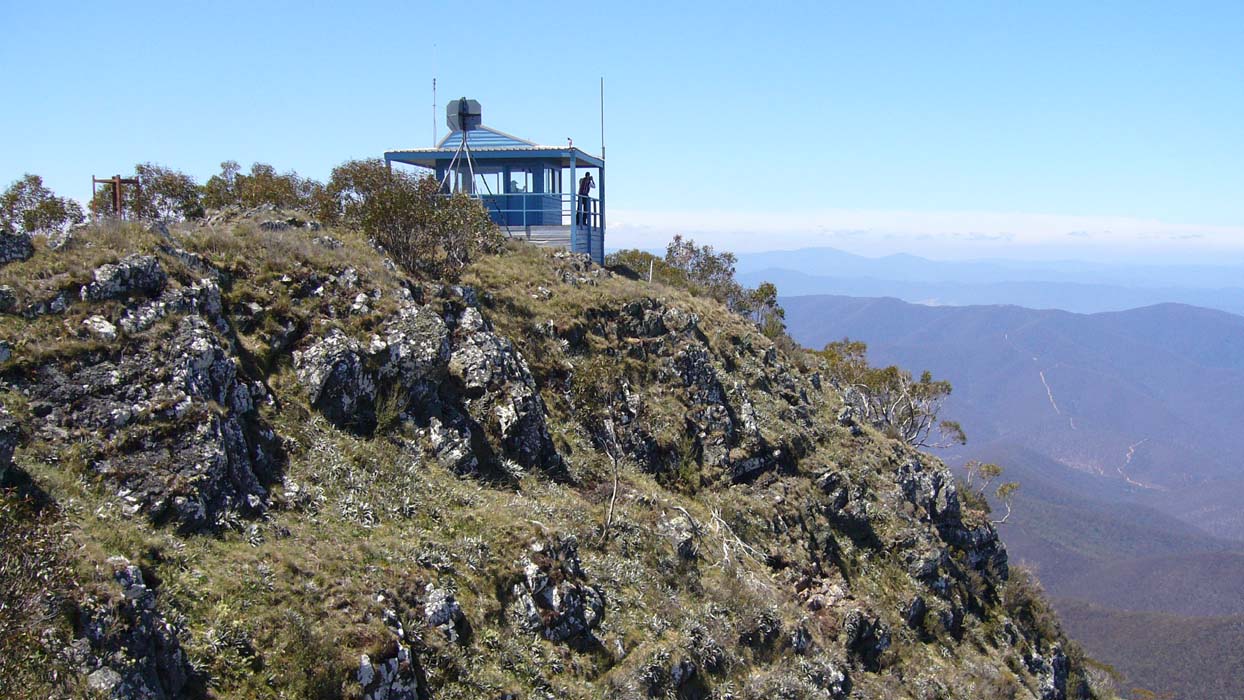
536 193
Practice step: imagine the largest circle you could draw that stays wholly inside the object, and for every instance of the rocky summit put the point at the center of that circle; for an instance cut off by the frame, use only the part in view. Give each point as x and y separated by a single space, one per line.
250 458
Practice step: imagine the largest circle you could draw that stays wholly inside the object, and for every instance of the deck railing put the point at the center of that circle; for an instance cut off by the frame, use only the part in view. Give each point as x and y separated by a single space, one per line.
524 209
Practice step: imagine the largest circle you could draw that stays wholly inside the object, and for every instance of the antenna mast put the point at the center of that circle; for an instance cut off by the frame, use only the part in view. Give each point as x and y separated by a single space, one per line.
434 112
602 117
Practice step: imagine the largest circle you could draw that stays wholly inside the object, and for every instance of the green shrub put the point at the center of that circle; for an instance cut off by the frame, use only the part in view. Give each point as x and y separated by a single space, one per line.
27 206
351 185
262 186
164 194
427 233
705 272
889 398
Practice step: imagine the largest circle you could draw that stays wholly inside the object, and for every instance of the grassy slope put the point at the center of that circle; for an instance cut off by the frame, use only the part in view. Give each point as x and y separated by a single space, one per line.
284 606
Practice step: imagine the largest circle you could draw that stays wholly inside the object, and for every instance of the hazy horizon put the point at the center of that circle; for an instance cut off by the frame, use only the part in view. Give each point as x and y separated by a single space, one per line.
952 131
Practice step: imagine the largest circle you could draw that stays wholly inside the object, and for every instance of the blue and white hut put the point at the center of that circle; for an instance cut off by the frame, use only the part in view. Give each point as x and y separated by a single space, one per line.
531 191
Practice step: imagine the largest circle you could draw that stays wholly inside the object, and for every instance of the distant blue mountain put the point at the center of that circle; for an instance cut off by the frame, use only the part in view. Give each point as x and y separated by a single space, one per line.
830 262
1148 401
1082 287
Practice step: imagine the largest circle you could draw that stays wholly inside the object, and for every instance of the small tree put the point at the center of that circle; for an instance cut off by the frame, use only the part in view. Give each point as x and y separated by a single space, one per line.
167 194
221 190
980 476
164 194
349 188
263 185
428 234
705 271
711 272
640 264
890 398
28 206
1006 491
765 311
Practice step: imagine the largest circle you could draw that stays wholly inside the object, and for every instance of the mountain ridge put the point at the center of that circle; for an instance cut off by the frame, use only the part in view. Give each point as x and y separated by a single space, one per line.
281 461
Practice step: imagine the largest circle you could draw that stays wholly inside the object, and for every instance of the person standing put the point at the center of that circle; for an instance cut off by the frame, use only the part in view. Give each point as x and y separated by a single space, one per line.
586 185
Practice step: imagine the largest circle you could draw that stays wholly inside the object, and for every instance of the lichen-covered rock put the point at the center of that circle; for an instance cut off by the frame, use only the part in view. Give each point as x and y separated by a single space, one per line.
866 637
846 418
194 446
337 381
500 394
1052 671
8 299
395 672
413 348
127 649
55 303
468 386
9 436
442 611
134 275
203 298
932 490
684 535
390 677
553 597
15 246
451 443
100 327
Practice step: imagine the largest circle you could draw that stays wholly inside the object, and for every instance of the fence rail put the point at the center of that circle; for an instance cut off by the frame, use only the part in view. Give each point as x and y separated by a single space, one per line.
524 209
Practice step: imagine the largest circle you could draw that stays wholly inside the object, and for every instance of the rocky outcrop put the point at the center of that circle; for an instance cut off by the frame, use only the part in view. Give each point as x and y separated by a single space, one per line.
193 445
127 649
389 677
726 396
202 298
553 597
448 371
134 275
442 612
866 637
9 435
395 672
1052 671
750 536
15 247
500 393
338 383
934 493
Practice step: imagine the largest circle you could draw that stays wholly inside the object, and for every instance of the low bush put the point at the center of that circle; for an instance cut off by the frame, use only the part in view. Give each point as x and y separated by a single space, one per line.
428 234
164 194
28 206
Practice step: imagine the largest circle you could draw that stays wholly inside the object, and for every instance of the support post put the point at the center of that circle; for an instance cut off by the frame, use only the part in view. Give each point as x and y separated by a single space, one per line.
601 221
574 208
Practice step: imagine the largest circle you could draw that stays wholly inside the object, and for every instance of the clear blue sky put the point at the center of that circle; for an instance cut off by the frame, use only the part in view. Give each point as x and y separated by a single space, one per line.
844 118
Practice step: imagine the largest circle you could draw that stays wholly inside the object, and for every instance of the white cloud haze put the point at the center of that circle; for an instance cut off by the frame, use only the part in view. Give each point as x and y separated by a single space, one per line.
935 234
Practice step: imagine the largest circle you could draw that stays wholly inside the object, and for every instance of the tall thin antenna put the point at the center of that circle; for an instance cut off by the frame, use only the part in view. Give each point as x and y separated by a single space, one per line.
433 95
602 117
